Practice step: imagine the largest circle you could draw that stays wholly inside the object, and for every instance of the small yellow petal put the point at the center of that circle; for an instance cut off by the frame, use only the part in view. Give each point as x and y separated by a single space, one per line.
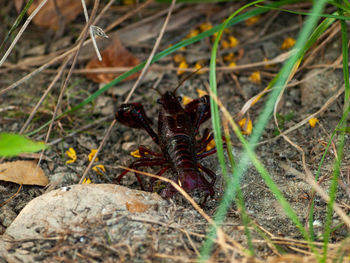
201 93
99 169
211 145
182 48
193 33
136 154
227 30
186 100
183 65
205 26
225 44
86 181
268 65
233 42
288 43
70 161
246 128
229 57
71 154
198 66
232 64
178 58
255 77
252 20
92 154
213 37
313 122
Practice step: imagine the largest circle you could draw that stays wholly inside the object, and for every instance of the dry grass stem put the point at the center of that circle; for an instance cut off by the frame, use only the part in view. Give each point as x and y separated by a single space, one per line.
23 28
154 50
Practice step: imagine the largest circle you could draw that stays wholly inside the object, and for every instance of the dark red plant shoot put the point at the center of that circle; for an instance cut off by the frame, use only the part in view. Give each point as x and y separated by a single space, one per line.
176 137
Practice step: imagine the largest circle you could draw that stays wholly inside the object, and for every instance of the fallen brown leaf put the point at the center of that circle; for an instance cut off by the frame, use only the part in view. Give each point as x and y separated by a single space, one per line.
48 17
23 172
115 55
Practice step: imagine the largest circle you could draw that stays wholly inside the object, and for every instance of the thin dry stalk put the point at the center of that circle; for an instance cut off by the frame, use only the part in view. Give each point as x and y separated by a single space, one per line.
86 29
221 236
128 15
305 120
156 45
23 28
309 178
53 82
54 60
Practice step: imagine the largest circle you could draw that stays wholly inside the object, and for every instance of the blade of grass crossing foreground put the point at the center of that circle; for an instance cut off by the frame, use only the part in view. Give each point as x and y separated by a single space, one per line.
164 53
240 199
340 147
262 121
325 24
216 118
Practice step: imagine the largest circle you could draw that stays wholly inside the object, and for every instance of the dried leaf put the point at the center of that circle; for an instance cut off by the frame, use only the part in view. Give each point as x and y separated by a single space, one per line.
23 172
114 55
48 17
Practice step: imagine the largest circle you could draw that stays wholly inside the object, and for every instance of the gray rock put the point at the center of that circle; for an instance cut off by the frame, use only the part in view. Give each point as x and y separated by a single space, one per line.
66 209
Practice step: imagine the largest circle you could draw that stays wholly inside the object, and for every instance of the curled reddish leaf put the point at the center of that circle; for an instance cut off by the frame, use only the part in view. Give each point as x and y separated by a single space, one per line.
113 56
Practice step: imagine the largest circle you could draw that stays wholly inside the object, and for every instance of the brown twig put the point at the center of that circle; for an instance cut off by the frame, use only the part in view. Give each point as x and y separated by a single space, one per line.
86 30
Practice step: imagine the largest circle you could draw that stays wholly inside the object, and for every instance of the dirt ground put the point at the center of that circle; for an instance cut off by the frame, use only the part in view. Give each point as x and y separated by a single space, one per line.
310 89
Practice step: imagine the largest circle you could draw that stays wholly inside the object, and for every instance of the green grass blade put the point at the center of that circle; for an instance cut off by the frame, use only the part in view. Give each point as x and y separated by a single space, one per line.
340 17
340 147
262 121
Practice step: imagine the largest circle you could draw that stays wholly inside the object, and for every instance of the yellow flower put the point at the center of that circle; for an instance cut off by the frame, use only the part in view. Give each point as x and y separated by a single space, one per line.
246 128
225 44
186 100
193 33
99 169
86 181
313 122
205 26
183 65
178 58
252 20
92 154
288 43
213 37
268 65
255 77
72 155
136 154
227 30
201 93
229 57
232 64
233 42
198 66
